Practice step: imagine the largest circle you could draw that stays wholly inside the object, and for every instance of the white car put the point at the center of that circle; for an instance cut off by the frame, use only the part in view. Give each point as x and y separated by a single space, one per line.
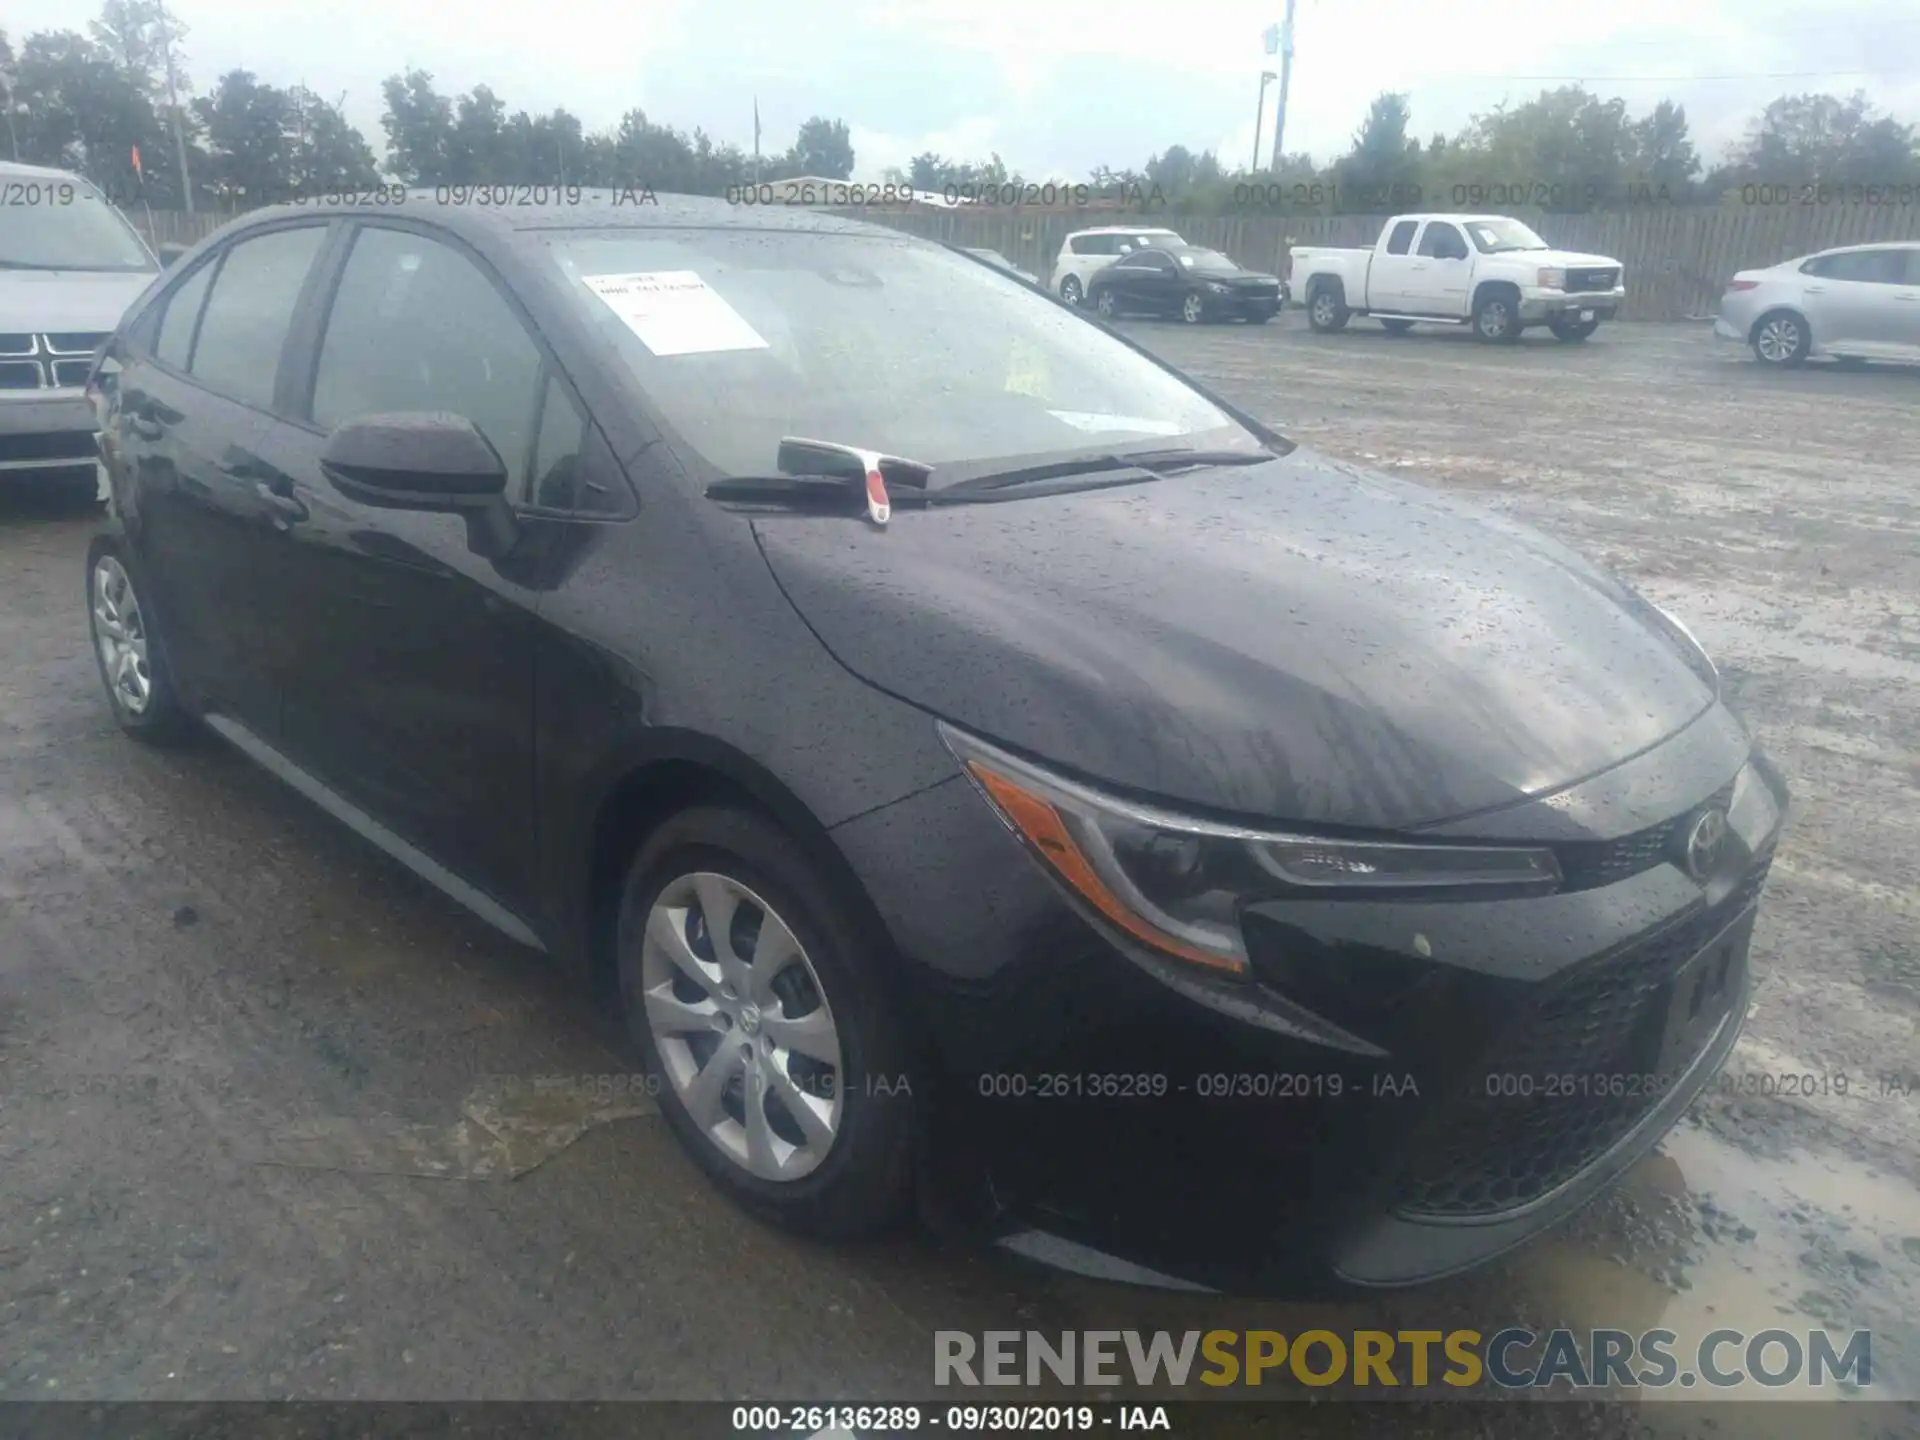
1487 271
1857 303
70 265
1086 251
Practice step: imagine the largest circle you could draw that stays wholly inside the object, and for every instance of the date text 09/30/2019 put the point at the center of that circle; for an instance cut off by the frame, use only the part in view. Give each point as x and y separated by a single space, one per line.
811 1420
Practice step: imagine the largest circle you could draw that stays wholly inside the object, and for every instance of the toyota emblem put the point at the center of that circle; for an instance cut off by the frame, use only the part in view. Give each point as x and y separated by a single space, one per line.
1705 843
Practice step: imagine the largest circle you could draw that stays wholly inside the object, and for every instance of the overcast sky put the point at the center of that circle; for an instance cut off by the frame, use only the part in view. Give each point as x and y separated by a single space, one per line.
1055 86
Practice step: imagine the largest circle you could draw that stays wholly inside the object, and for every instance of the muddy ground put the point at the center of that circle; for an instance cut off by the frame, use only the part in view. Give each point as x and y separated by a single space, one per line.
268 1119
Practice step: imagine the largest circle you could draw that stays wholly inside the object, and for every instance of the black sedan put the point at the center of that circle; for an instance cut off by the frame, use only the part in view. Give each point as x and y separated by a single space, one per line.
982 767
1189 281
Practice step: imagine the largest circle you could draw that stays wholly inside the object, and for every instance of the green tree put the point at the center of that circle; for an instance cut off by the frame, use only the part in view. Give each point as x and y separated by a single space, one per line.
79 111
1807 139
418 121
823 148
1385 161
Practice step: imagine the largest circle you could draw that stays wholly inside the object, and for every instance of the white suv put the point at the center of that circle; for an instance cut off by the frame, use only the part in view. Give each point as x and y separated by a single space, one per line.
1086 251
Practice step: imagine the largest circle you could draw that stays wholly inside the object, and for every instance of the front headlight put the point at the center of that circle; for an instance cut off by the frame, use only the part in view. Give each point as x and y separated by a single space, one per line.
1552 280
1178 884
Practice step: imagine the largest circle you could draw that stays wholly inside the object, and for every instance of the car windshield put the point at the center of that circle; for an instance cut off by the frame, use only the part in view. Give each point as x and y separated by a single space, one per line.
743 337
1192 257
1495 236
64 224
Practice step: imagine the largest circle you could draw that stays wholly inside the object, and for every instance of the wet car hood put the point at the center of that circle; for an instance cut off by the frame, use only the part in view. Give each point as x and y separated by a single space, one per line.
68 300
1301 640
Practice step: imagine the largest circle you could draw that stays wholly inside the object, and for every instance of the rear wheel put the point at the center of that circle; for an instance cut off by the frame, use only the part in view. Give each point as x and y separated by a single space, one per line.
756 998
1071 292
1103 304
1396 327
1327 309
128 650
1781 339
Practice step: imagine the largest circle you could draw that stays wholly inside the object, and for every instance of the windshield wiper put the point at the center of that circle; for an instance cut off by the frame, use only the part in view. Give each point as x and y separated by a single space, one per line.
828 470
1121 467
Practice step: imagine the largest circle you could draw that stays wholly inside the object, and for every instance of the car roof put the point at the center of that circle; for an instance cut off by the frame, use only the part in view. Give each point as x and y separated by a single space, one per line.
1126 230
1870 245
468 210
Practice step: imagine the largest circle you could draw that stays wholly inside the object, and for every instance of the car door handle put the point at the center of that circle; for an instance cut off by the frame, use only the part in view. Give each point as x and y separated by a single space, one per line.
286 508
1816 289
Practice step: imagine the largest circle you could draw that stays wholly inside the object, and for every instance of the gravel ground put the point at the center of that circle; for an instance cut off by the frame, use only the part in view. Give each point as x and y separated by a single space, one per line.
267 1120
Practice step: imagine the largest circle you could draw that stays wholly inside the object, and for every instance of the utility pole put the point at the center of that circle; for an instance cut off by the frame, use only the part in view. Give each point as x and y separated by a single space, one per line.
173 103
6 86
1286 74
1267 77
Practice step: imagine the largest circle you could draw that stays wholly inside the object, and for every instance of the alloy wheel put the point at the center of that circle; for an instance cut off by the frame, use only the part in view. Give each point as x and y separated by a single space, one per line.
1778 340
1493 319
1193 309
742 1027
1324 309
120 633
1070 290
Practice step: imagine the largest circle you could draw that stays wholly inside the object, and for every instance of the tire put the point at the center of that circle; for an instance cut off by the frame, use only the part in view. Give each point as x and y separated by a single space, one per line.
1071 293
1572 333
1193 307
128 649
1780 338
1104 305
1327 311
852 1172
1496 317
1396 327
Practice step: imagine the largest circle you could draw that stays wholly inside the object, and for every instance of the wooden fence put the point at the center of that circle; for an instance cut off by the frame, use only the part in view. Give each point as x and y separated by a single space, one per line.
1678 258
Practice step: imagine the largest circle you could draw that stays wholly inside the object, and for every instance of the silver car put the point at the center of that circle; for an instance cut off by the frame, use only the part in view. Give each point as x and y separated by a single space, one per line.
70 265
1857 303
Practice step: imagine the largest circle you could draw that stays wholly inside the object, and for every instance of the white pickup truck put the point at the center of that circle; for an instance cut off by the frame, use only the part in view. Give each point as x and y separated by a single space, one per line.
1489 271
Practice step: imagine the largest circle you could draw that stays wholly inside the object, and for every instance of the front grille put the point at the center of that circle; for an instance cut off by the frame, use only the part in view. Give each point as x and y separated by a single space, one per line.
1602 278
73 342
55 359
1585 865
61 445
1257 289
1489 1153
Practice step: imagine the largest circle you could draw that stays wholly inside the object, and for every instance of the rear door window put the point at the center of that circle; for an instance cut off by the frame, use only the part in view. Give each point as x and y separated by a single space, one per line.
174 347
1401 240
249 312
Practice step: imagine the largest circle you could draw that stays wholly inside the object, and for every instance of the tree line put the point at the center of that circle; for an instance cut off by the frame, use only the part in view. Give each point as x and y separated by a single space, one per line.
88 102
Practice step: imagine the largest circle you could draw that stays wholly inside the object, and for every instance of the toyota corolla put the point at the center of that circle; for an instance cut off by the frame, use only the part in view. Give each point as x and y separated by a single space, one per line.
991 774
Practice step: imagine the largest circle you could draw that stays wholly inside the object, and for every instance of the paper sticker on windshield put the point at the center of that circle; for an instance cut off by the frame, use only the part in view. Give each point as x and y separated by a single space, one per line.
1089 421
675 312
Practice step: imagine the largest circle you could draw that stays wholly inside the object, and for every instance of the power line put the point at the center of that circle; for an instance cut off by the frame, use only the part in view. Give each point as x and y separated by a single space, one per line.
1679 79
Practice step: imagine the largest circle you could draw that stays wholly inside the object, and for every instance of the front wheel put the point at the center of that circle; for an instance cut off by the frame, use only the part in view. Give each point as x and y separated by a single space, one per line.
1571 332
1070 291
756 997
1327 310
1496 318
1193 309
1104 306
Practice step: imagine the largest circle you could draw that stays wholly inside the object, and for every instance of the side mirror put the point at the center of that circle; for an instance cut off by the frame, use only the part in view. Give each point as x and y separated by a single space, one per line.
170 252
431 461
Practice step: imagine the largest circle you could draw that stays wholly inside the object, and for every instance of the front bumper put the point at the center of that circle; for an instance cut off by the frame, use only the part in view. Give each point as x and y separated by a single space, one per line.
1355 1120
52 430
1539 306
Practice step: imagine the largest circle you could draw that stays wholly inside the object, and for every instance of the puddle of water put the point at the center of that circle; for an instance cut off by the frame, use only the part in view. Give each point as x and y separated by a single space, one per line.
1711 1237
